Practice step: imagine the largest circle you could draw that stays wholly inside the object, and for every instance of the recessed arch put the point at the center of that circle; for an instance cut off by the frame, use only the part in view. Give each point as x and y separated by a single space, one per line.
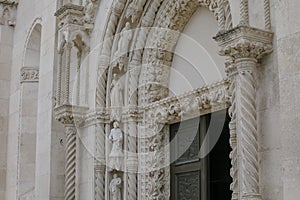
31 56
29 109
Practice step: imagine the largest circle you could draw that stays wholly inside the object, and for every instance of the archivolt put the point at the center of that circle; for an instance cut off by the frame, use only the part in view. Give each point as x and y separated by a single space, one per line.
150 45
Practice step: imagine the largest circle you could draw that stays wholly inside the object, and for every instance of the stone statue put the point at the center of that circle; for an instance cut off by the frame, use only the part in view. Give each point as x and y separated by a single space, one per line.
116 97
89 11
123 45
115 187
134 10
116 154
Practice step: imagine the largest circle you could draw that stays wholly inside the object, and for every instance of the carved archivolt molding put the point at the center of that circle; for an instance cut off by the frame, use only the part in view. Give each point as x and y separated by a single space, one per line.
191 104
29 74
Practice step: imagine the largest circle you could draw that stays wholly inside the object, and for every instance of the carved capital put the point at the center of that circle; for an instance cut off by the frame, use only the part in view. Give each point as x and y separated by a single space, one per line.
29 74
8 10
70 14
245 42
70 115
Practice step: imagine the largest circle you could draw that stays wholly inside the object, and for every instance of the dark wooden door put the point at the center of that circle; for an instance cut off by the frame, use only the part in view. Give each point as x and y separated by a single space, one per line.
207 178
188 171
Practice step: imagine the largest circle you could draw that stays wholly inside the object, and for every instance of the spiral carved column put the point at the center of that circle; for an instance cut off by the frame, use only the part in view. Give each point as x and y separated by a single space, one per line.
221 15
59 75
231 72
67 74
244 12
245 51
267 15
100 162
132 161
247 129
70 163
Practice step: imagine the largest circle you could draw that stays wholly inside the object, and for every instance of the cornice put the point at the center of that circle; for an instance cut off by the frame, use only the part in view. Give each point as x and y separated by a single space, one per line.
200 101
67 8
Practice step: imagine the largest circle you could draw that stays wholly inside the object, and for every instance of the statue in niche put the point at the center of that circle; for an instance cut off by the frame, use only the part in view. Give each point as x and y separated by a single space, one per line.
134 10
116 153
116 97
115 187
123 45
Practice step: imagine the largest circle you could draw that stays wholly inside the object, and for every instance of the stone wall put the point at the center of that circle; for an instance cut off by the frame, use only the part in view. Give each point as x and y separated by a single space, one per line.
278 105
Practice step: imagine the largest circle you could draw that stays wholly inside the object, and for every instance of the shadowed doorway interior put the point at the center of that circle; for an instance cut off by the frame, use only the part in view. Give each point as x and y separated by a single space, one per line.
195 178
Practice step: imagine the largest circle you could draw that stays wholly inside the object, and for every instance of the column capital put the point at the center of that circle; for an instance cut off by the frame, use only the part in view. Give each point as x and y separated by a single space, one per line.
70 115
245 42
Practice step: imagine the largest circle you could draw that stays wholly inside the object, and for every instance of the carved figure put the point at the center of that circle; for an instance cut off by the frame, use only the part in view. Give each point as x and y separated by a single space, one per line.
116 154
134 10
123 45
115 187
89 11
116 97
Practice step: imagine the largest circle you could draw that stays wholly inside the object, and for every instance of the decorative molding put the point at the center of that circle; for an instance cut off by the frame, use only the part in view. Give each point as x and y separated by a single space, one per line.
194 103
245 42
29 74
8 11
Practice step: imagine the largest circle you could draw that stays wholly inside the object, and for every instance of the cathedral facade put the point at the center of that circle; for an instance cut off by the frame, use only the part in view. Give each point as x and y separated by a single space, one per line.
149 100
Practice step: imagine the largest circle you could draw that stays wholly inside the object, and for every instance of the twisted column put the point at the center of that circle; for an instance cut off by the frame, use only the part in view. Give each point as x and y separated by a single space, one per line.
132 161
228 17
100 162
247 130
244 13
244 53
58 77
221 15
267 15
70 163
231 70
67 74
79 53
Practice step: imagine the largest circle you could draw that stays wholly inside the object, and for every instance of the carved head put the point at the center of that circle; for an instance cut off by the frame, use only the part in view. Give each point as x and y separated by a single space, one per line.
115 76
116 124
115 176
127 25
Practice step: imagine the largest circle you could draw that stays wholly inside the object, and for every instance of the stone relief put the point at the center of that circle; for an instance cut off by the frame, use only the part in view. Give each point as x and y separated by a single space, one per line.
115 188
201 100
116 153
123 45
29 74
116 97
90 11
135 9
8 11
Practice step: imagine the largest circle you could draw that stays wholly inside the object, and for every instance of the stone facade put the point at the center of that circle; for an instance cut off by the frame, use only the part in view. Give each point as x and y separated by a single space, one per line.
69 69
